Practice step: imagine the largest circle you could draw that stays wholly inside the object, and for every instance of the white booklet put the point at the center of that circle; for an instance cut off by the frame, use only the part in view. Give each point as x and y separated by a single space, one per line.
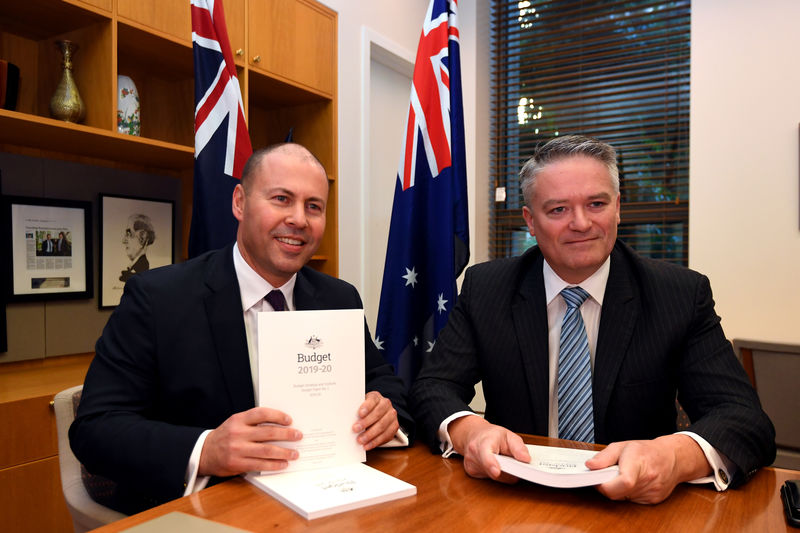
311 366
557 467
317 493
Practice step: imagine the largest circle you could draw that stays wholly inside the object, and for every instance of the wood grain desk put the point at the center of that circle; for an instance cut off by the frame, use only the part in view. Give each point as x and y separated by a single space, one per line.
449 500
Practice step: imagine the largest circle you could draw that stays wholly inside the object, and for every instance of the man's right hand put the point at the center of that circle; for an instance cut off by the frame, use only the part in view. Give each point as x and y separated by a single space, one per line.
477 440
242 443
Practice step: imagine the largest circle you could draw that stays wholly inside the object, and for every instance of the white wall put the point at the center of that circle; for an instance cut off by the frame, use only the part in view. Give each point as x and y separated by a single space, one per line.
396 26
388 106
744 212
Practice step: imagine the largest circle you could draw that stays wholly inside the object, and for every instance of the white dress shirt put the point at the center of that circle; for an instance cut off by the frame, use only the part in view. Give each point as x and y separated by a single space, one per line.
252 288
595 285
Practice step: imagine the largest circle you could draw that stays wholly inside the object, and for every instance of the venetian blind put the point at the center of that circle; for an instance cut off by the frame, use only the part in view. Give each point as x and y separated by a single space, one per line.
615 70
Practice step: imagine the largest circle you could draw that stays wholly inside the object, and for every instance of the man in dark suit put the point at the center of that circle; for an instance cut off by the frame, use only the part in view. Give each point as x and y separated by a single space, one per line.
48 247
649 333
63 246
168 402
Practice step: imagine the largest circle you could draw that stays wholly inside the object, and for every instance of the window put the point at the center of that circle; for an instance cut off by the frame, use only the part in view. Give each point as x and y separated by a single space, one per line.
615 70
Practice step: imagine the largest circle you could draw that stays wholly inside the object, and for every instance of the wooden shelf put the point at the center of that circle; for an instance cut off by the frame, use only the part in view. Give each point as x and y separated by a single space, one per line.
275 92
292 86
21 129
170 57
45 19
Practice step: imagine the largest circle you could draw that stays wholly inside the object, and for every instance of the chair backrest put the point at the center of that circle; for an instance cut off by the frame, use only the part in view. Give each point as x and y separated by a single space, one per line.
86 512
774 371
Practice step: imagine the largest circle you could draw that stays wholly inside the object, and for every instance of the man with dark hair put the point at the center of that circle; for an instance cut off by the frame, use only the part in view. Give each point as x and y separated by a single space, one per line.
63 246
169 400
581 338
48 247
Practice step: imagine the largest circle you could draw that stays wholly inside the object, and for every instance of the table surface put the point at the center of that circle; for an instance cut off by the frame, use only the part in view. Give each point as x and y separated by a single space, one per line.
449 500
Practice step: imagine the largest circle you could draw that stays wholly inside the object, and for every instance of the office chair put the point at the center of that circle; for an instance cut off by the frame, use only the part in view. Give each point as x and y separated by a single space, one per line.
774 371
86 512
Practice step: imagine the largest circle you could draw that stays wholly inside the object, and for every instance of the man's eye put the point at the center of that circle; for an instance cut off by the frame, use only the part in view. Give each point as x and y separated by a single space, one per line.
558 210
281 198
315 207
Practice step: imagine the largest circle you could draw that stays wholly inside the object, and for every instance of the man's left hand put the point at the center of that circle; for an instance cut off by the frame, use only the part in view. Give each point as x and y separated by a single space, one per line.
649 470
377 421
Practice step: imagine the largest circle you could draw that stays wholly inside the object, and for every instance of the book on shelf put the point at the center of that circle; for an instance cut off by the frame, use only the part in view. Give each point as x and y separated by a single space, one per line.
311 366
557 467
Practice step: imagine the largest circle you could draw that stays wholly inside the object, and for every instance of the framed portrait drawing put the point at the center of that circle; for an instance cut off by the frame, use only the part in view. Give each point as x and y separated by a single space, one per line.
50 249
136 234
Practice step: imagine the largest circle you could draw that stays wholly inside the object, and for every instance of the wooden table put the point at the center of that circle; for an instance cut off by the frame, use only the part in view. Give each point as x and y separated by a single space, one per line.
449 500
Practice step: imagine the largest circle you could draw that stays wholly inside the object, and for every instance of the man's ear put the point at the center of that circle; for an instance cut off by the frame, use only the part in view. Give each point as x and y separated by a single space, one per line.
237 202
528 216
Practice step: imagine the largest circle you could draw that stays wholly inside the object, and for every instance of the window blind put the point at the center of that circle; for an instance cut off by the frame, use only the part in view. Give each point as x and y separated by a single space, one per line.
615 70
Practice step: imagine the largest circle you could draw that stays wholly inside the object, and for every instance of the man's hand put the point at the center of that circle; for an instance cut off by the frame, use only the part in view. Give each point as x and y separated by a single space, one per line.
242 444
477 440
377 421
650 469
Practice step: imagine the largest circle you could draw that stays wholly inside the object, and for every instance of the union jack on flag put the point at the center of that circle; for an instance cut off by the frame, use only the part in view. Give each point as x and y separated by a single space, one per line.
429 233
221 141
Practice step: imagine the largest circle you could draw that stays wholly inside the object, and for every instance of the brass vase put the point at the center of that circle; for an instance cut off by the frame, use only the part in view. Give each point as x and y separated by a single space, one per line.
66 104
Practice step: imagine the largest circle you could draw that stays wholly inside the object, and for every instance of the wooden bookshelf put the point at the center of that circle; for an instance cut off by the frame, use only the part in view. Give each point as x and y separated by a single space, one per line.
285 52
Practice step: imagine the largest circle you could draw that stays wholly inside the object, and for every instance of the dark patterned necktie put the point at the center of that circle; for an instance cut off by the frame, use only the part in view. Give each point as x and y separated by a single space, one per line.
276 300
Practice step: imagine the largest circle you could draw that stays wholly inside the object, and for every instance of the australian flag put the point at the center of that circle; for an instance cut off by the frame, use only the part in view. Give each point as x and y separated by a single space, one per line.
221 142
429 233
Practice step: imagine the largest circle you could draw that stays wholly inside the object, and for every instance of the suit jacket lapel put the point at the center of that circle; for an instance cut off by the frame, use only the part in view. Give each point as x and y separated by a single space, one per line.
223 307
621 306
529 313
305 294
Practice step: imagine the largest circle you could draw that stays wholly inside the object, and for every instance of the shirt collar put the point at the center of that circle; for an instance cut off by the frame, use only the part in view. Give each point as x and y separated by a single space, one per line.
595 284
253 287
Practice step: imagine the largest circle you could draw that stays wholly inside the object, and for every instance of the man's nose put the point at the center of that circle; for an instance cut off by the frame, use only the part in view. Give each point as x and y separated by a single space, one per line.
297 216
580 220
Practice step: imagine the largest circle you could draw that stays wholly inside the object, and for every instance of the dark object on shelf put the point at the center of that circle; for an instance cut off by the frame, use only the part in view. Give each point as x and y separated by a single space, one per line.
9 85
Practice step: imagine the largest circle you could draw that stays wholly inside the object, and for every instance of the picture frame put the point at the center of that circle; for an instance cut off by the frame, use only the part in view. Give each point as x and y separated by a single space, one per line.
136 234
50 244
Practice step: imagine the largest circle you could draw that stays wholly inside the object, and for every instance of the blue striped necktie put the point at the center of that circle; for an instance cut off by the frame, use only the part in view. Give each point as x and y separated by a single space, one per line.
575 413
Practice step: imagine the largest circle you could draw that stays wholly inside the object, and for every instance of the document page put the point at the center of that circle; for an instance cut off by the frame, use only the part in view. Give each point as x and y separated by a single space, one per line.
311 366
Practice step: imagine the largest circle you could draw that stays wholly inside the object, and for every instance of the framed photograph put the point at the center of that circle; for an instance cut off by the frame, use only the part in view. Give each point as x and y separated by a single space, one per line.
51 249
136 234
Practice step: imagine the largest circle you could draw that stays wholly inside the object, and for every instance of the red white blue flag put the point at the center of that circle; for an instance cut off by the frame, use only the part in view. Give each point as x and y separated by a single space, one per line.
429 234
221 142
